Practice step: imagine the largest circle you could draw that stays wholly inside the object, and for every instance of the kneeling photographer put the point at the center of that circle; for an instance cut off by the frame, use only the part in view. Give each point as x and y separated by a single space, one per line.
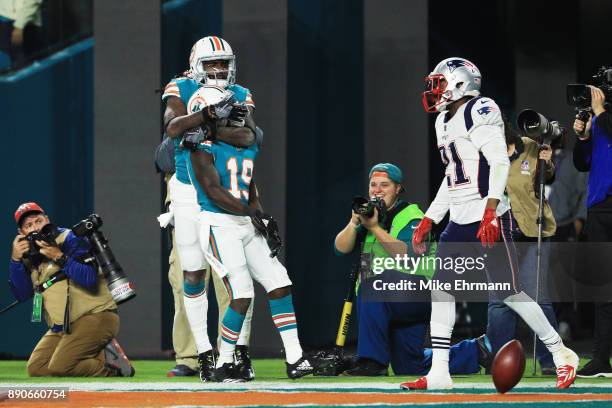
593 152
51 264
392 329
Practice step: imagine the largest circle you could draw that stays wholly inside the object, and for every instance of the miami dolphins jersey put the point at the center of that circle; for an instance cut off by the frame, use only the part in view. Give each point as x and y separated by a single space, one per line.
235 168
184 88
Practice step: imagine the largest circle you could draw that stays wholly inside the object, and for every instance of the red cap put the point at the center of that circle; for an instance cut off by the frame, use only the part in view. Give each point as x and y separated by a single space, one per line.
26 208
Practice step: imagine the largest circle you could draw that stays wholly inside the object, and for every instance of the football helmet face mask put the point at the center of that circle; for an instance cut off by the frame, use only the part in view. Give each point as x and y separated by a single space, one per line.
203 53
451 80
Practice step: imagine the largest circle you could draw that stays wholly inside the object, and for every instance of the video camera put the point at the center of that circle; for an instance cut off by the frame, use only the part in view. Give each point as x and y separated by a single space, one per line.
48 233
118 283
365 207
537 127
579 95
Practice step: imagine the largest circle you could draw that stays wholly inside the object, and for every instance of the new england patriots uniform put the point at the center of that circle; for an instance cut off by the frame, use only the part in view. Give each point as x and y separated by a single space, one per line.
477 126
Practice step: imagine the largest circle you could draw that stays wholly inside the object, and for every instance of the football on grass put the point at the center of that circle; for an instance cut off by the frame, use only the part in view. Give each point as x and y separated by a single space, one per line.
508 366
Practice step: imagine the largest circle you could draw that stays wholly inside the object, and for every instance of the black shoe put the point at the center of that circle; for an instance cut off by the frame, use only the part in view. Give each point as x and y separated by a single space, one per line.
117 360
368 368
244 368
299 369
181 370
548 371
485 356
206 365
226 374
595 368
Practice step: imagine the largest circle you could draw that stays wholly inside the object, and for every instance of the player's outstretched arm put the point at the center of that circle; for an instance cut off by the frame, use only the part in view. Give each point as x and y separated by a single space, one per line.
207 176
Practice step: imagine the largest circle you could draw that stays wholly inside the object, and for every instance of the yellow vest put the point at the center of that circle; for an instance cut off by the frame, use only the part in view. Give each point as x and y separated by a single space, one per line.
82 301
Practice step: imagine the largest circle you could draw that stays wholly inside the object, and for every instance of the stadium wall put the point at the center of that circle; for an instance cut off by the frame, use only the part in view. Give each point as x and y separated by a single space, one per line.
47 123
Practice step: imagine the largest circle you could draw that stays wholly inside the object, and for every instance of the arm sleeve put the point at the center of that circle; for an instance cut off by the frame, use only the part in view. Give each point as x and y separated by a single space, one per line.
440 205
489 139
19 281
582 154
75 247
27 13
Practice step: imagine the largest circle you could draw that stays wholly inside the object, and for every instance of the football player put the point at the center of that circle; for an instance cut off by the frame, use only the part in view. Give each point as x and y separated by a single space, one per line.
230 214
212 62
470 135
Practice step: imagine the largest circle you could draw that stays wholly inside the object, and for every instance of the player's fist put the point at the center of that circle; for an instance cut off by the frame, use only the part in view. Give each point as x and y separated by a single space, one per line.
20 247
488 233
420 233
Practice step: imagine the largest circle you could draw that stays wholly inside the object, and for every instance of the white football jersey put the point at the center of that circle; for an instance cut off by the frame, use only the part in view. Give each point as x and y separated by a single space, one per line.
466 186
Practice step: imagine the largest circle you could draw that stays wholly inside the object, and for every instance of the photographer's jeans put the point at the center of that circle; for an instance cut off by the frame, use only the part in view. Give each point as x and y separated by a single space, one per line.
395 332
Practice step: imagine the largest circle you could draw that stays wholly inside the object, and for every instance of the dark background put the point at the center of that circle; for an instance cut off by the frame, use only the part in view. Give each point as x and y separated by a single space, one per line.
337 86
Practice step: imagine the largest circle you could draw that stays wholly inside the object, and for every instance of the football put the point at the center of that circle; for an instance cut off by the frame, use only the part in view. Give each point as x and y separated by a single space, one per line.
508 366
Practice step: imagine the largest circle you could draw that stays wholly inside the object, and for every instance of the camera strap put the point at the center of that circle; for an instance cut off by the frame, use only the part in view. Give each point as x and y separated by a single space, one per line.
55 278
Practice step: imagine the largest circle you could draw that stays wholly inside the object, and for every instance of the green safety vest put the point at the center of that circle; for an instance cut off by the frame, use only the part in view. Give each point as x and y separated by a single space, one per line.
400 221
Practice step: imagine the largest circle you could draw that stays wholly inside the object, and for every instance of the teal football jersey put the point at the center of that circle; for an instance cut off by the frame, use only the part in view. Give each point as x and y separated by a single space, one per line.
184 88
235 167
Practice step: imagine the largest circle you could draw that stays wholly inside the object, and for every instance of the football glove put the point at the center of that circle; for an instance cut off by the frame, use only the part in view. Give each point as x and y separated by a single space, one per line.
238 114
268 227
221 109
488 232
192 137
420 234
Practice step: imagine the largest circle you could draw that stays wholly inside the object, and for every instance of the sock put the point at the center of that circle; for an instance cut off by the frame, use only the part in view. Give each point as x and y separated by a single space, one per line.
245 333
230 330
284 319
535 318
441 327
196 308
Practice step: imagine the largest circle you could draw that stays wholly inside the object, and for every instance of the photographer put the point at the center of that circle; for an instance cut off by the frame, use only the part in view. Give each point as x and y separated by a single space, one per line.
592 153
524 154
48 264
393 331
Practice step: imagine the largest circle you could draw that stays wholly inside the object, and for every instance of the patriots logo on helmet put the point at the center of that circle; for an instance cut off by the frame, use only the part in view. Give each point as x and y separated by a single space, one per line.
457 63
485 110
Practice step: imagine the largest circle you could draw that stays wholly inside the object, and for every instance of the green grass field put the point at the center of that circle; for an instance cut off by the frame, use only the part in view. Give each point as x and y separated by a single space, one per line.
265 370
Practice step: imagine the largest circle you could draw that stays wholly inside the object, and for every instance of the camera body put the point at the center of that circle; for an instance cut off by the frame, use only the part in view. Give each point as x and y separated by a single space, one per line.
118 283
365 207
579 95
48 233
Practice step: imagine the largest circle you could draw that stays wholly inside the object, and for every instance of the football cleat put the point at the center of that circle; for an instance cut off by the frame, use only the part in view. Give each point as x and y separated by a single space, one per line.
206 365
299 369
433 383
566 368
226 374
244 367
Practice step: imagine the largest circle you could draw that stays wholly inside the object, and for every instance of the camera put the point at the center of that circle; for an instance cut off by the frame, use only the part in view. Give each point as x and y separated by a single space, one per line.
365 207
537 127
48 233
118 283
579 95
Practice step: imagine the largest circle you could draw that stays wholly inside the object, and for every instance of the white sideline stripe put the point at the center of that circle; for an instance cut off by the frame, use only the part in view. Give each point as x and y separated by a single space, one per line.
268 386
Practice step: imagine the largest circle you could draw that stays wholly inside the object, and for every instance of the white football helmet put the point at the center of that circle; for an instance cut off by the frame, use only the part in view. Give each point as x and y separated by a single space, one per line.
451 80
206 95
212 49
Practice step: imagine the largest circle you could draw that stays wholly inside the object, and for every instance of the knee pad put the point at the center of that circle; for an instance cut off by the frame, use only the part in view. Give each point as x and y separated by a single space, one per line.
191 257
